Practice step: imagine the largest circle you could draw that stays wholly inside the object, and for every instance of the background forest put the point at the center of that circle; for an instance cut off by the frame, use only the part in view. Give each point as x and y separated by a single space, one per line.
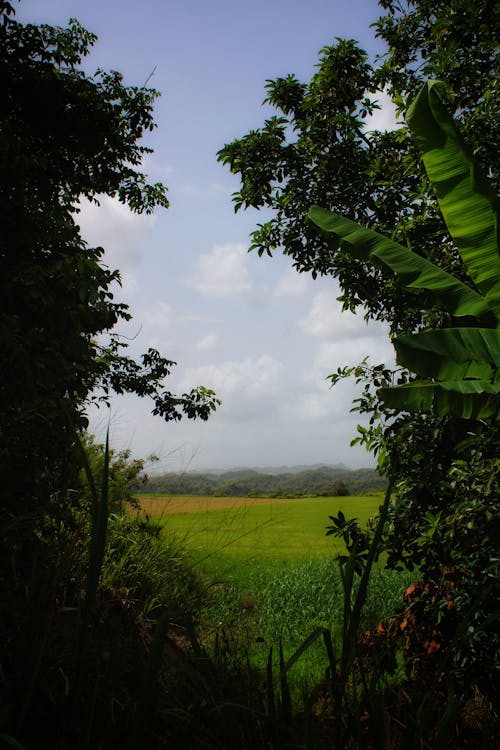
108 636
324 480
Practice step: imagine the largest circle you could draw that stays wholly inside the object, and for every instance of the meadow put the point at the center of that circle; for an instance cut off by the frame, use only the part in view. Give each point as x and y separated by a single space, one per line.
286 530
273 573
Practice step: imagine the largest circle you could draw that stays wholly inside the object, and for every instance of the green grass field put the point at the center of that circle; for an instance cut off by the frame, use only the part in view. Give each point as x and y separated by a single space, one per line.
276 531
273 572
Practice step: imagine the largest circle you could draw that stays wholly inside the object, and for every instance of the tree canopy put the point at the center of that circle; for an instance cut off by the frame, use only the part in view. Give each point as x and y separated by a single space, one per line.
458 366
64 136
319 150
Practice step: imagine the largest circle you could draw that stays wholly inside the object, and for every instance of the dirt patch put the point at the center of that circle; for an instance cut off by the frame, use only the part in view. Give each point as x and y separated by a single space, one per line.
154 505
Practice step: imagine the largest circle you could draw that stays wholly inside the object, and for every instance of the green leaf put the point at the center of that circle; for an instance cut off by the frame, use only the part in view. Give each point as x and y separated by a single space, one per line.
451 353
464 361
468 203
415 272
468 399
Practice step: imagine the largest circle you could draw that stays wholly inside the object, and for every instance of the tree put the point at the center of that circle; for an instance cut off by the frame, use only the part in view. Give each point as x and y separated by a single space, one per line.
453 41
125 475
65 136
317 149
457 372
316 152
459 367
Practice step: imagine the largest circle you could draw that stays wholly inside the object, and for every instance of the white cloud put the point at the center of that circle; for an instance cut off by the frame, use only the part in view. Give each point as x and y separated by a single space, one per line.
159 317
128 282
222 272
217 187
118 230
155 168
203 191
383 118
208 342
293 284
334 354
310 407
326 319
343 338
250 389
248 378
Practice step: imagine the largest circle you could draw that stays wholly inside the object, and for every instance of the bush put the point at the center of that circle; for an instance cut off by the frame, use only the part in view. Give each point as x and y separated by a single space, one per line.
152 571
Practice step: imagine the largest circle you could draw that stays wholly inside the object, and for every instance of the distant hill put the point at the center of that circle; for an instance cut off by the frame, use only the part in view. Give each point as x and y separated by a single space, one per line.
272 469
297 469
274 481
284 469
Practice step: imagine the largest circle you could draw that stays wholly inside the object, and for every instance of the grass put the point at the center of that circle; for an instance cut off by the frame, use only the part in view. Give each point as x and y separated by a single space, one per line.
274 572
253 529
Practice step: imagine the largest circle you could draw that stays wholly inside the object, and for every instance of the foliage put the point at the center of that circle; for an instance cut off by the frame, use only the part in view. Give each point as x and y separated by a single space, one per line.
444 528
460 364
75 590
455 42
451 621
126 474
80 687
65 136
356 540
319 149
316 151
154 572
376 179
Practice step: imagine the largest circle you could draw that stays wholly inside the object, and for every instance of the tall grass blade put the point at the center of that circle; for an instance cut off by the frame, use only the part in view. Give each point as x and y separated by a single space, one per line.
98 531
11 742
447 724
347 572
271 703
286 700
317 633
97 548
327 639
86 743
148 682
37 661
373 553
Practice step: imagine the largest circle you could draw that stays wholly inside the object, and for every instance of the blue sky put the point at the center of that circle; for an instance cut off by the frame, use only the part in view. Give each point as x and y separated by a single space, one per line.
264 337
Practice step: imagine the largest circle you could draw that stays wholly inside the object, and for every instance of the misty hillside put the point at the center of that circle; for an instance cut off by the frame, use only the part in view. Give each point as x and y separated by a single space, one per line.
319 480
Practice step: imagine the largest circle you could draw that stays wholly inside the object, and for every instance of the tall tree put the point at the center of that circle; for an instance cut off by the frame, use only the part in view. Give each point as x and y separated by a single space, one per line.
63 136
318 150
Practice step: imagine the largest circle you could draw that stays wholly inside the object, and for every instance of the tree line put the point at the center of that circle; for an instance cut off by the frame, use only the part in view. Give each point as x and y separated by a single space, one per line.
324 481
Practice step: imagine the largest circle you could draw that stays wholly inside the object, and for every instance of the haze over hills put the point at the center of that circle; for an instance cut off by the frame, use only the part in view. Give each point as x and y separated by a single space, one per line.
288 481
284 469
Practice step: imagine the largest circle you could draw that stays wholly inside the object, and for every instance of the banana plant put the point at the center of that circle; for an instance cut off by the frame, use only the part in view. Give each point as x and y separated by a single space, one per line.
457 368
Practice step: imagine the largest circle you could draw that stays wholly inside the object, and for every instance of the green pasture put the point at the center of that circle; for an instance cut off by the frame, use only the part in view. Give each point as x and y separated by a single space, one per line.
252 543
274 574
284 531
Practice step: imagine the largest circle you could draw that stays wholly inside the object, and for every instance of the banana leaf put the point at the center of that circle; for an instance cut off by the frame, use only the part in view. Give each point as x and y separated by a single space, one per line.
468 203
415 272
460 366
451 353
468 399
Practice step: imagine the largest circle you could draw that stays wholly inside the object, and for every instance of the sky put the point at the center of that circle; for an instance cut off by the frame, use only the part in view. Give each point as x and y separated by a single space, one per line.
262 336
